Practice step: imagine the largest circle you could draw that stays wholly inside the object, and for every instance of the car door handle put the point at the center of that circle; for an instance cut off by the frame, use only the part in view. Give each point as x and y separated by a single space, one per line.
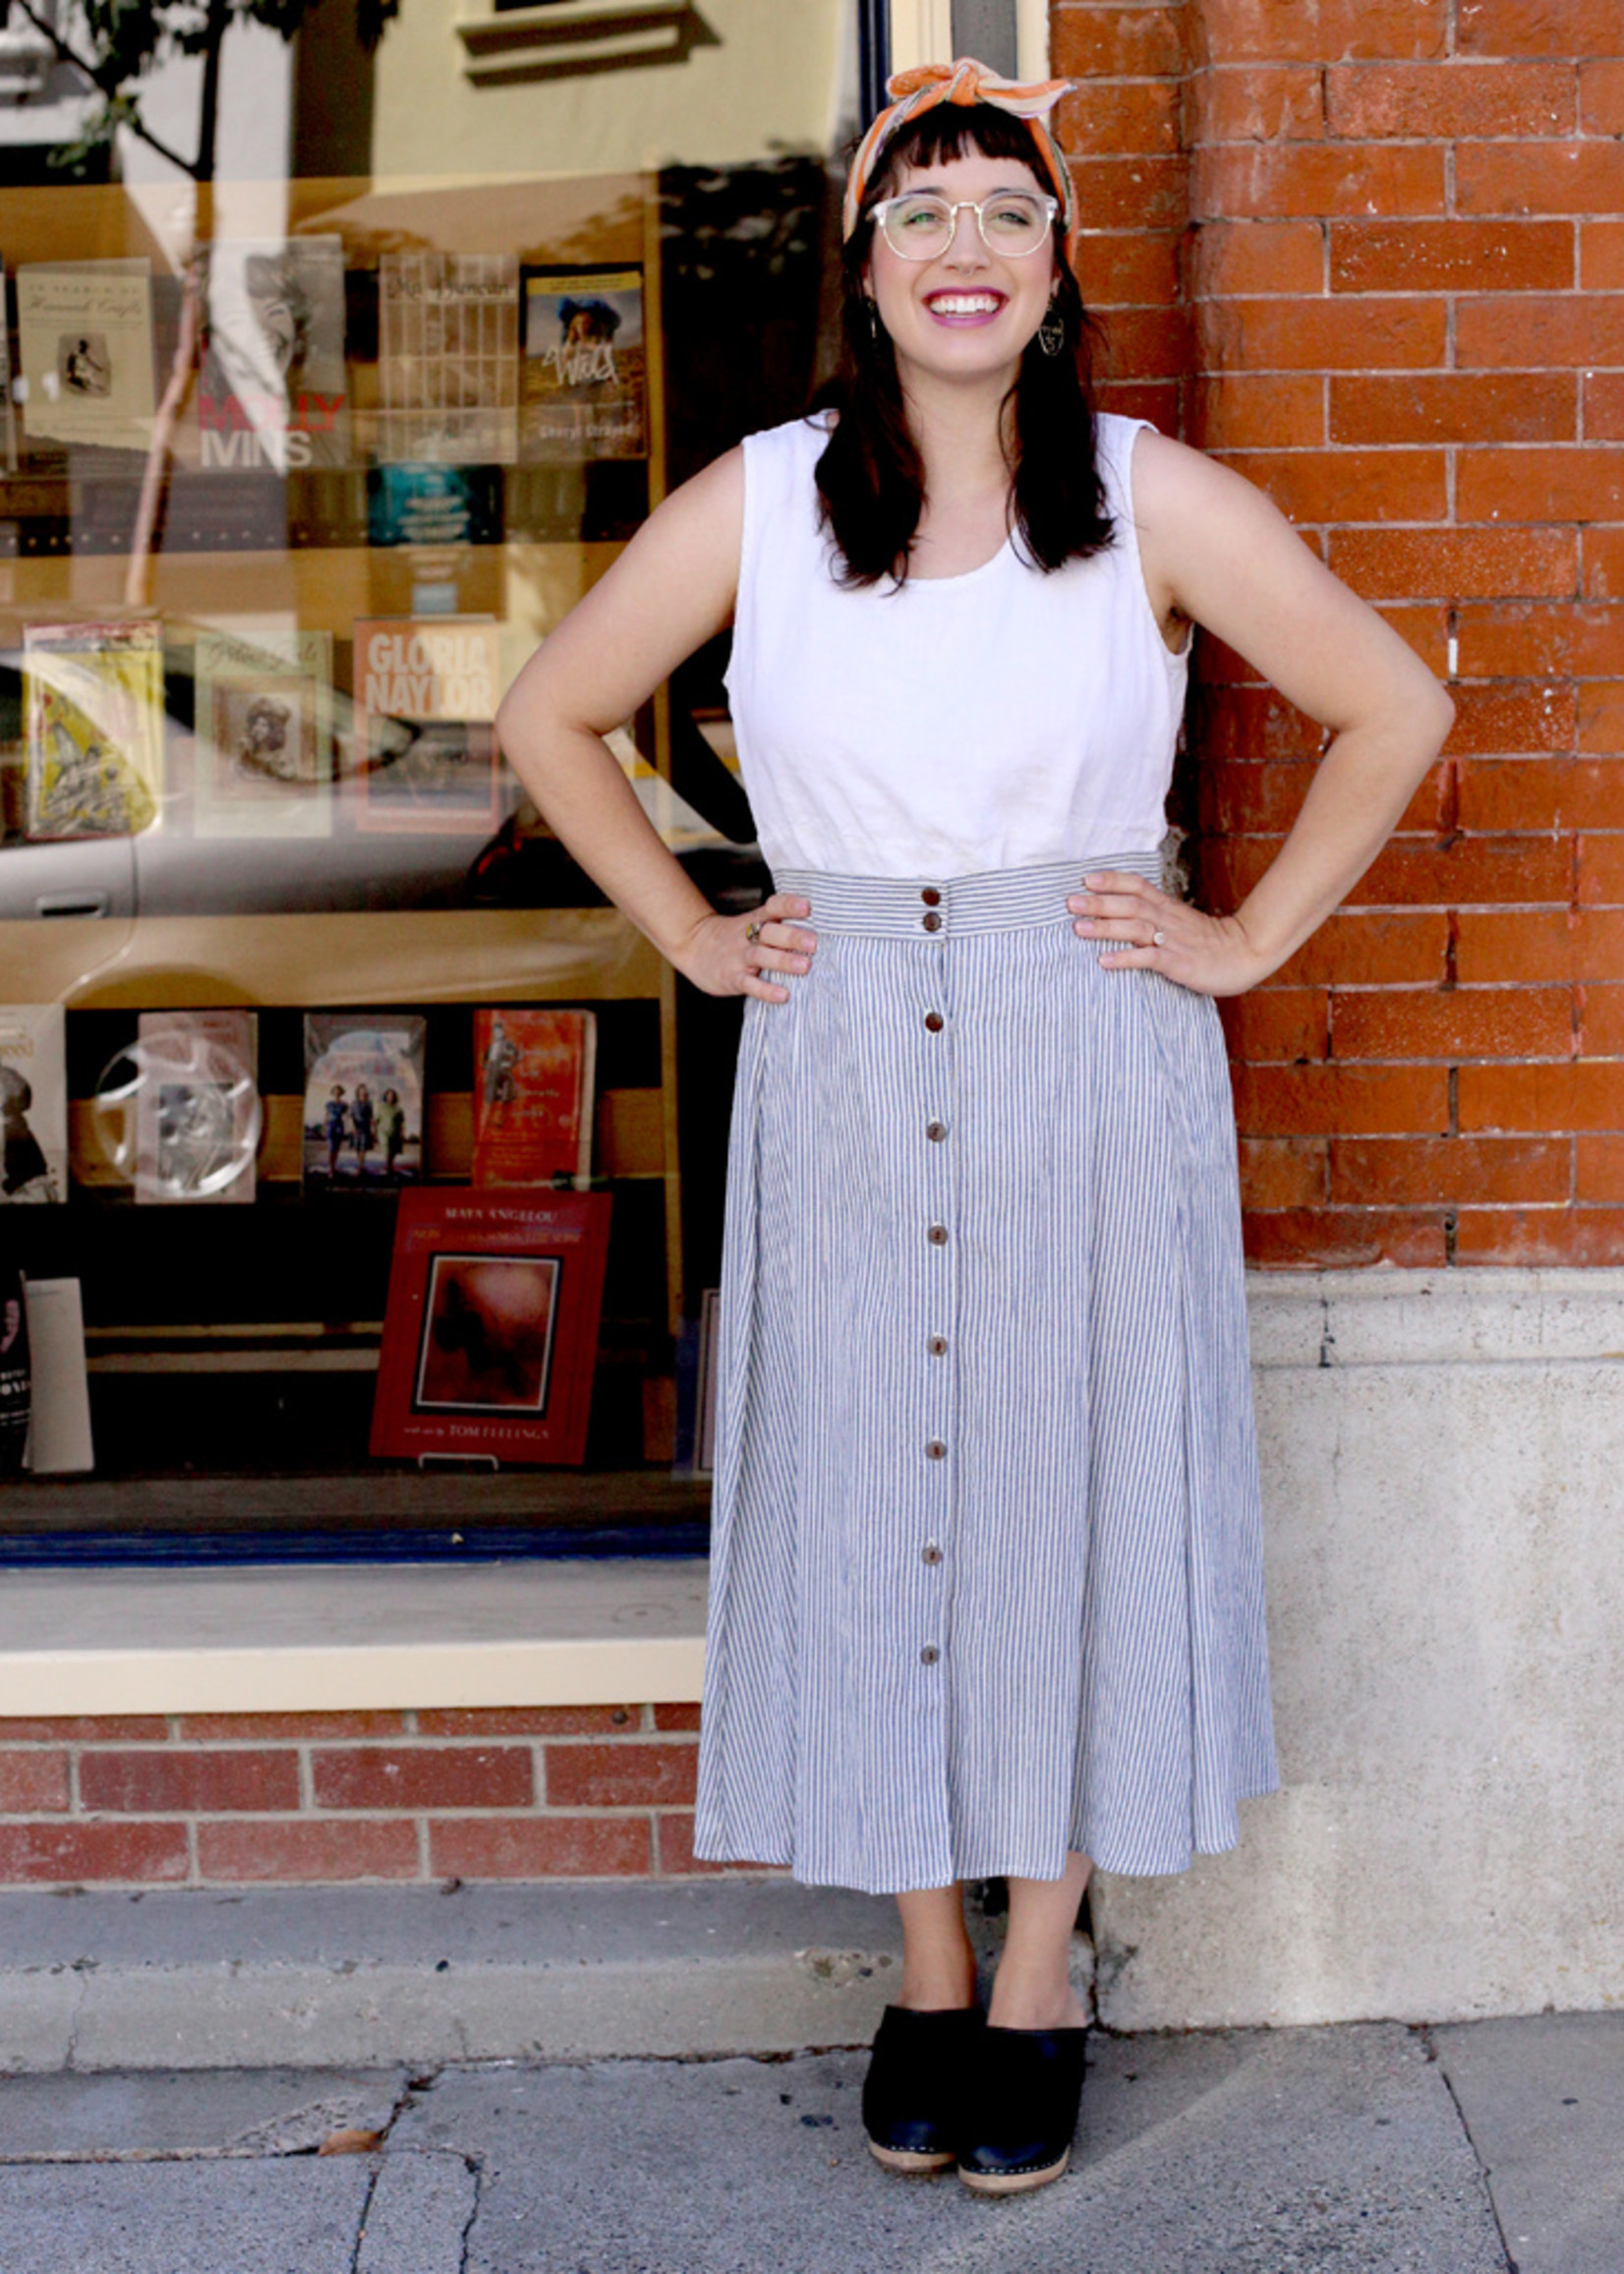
71 905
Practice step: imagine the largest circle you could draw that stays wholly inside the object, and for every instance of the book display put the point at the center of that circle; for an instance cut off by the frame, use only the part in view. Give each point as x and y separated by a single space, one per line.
263 748
85 330
585 368
364 1102
425 699
94 694
34 1104
532 1095
273 389
196 1106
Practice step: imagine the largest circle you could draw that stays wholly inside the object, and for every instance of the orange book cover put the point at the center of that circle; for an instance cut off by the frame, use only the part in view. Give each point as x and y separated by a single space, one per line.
532 1095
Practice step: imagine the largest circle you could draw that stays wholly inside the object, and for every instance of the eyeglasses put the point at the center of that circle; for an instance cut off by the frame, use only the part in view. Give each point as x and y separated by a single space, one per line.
919 224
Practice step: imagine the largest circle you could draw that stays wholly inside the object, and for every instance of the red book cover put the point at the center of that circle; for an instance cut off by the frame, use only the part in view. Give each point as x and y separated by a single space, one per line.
532 1095
490 1335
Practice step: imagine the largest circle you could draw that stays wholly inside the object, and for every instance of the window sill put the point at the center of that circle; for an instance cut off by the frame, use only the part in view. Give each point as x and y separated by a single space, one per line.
331 1637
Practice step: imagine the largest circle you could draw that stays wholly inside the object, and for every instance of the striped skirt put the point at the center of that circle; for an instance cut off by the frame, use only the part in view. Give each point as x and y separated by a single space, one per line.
986 1575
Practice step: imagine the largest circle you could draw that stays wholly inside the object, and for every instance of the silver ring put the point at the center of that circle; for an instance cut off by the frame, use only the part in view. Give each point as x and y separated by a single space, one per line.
1158 939
752 932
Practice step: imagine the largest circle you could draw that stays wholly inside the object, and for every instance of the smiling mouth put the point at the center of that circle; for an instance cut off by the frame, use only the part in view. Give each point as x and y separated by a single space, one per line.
964 303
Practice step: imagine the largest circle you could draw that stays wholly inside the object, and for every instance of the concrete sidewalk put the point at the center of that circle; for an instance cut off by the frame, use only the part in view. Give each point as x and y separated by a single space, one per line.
1369 2149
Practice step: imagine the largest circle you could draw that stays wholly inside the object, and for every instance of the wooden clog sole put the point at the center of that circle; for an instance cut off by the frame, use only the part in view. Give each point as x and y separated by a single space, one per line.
911 2159
1014 2183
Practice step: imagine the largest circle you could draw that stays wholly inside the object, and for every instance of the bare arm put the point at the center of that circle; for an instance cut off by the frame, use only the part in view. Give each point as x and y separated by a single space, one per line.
668 592
1217 551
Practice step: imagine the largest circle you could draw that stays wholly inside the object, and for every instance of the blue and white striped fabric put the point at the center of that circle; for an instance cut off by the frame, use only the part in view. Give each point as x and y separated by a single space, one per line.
986 1579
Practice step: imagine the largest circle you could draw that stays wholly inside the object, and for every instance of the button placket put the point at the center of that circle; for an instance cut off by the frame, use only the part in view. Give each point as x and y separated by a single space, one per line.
937 1468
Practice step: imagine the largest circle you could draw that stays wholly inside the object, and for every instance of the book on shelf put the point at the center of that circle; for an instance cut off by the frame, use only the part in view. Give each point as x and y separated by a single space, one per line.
364 1097
59 1439
16 1382
84 341
585 383
271 384
196 1106
424 735
34 1103
532 1095
448 359
262 764
491 1333
93 696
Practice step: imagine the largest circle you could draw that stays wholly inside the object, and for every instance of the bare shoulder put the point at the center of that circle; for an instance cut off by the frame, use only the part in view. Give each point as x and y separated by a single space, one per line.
703 518
1171 481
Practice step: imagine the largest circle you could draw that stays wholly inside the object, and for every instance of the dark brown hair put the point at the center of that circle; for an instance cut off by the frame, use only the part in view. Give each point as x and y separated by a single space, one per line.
871 483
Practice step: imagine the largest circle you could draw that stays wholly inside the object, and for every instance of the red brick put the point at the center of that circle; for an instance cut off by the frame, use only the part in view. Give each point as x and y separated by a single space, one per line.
1277 1023
1514 27
540 1847
1523 639
1277 179
1539 177
1452 256
1154 399
1475 871
1418 1171
1456 1023
1457 564
1334 1100
1539 331
677 1715
1265 800
1601 574
252 1727
1231 258
1601 256
1601 733
1598 1168
1283 1171
1094 42
1560 945
620 1776
73 1854
32 1782
1604 406
1541 793
1118 115
92 1728
1146 193
1602 1021
1510 714
1583 1094
1456 101
1147 343
423 1776
1601 97
673 1835
1601 871
1256 103
528 1720
1346 1239
173 1782
1232 410
1129 268
1354 948
1540 485
1316 31
1587 1237
1345 335
1455 407
1427 631
1256 724
1349 485
302 1852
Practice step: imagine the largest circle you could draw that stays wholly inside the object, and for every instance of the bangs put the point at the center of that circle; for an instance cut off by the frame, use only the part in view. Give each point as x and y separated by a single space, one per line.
949 131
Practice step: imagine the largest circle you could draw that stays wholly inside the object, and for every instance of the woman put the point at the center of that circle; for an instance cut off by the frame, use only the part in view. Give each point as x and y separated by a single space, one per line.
986 1578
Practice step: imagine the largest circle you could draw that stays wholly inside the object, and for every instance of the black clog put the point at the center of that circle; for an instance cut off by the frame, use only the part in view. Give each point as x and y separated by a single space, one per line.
1023 2109
913 2094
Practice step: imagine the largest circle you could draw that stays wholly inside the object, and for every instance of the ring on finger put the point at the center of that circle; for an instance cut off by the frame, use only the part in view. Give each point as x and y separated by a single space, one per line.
752 932
1158 939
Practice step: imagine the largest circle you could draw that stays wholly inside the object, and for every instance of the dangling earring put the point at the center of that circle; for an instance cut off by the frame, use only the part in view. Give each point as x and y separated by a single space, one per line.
871 316
1051 332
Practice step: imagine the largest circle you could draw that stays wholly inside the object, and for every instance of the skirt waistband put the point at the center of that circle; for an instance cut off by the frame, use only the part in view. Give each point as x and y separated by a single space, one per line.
918 907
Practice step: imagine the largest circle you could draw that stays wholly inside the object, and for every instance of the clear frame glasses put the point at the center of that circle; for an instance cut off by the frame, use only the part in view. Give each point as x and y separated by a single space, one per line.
920 224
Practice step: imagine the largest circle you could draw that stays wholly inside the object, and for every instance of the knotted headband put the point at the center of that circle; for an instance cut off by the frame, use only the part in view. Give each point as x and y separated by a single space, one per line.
965 82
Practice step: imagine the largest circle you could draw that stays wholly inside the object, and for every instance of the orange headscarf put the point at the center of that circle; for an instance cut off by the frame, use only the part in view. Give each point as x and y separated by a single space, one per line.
965 82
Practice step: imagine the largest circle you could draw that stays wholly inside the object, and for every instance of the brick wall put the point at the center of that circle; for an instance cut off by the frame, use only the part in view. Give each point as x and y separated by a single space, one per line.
224 1799
1372 253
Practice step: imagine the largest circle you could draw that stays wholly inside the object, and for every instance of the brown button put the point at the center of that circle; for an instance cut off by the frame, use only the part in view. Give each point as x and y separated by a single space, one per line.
929 1654
938 1235
938 1346
930 1553
935 1131
936 1450
932 923
934 1022
931 897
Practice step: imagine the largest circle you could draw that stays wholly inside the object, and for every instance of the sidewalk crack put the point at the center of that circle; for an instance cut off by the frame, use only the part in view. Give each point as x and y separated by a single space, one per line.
1433 2055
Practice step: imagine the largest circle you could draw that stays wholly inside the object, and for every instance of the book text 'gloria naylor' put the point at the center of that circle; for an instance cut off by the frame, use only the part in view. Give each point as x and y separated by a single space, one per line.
427 673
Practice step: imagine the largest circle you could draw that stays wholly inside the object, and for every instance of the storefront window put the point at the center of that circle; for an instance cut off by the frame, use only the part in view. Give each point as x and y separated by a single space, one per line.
343 357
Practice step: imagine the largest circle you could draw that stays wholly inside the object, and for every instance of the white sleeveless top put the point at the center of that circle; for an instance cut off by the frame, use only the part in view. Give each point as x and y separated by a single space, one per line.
1002 718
